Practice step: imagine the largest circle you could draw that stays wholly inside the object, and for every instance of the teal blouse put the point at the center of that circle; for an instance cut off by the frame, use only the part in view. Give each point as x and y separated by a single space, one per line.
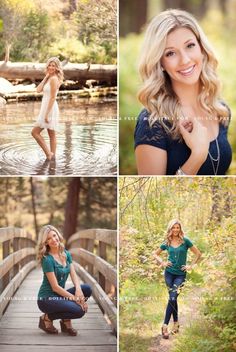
177 256
49 264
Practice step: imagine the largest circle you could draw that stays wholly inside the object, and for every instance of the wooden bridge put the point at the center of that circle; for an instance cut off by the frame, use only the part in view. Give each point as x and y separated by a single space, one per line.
20 279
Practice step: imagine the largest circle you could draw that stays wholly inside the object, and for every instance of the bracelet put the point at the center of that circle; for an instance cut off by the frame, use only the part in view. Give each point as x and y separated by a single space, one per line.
180 172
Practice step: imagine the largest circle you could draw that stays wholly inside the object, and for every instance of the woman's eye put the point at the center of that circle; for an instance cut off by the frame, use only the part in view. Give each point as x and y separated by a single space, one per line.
191 45
169 53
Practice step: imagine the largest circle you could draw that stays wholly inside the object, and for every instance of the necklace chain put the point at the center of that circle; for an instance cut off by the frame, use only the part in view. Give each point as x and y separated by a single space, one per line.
215 160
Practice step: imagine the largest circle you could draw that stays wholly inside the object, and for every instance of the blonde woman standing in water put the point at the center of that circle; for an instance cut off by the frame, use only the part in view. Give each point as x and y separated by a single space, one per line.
49 112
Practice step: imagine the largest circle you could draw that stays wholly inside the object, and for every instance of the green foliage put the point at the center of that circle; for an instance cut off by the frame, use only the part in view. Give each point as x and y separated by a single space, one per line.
35 34
139 313
35 39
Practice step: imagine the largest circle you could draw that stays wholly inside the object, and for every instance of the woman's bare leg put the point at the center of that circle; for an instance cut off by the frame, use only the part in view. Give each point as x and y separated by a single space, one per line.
40 140
53 141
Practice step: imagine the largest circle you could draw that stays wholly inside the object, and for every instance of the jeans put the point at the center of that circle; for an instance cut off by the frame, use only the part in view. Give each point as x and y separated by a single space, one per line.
173 283
61 307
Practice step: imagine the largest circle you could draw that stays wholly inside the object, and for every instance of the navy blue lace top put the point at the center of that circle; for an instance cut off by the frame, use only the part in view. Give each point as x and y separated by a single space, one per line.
178 152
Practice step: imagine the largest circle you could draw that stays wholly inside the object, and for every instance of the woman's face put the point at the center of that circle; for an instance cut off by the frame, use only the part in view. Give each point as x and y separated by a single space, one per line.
51 68
53 239
175 230
182 58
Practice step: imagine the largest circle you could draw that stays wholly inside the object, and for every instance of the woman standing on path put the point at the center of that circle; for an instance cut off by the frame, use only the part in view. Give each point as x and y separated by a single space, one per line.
53 299
177 246
183 128
49 112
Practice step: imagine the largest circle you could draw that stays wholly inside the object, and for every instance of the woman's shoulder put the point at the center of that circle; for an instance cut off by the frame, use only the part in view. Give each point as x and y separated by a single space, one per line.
187 241
145 133
47 259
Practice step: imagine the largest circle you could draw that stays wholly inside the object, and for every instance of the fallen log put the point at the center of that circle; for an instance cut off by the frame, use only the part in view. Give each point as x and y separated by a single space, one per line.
76 72
99 92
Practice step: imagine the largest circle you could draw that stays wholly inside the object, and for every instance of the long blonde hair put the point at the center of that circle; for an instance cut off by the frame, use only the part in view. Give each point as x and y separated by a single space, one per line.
43 247
169 235
59 71
157 94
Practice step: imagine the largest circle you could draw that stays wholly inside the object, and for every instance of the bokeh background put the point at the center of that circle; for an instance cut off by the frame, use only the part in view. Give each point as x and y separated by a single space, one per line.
218 20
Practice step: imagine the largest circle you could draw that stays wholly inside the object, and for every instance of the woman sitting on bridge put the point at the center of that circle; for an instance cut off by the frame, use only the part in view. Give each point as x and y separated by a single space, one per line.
53 299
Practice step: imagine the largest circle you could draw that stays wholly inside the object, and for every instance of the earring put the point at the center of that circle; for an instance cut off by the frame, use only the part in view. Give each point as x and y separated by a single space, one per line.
162 68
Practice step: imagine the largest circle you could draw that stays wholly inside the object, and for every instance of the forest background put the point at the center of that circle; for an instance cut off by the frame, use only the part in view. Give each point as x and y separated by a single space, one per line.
73 30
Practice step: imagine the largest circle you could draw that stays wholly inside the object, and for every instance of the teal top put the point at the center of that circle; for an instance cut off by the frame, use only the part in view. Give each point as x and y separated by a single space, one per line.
177 256
49 264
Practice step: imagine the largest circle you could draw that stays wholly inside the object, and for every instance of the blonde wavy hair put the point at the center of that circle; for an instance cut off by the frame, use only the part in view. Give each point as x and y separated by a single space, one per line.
59 71
43 247
157 94
169 235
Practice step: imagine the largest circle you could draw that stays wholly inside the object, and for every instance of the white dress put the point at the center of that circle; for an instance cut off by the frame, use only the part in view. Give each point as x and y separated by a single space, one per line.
53 115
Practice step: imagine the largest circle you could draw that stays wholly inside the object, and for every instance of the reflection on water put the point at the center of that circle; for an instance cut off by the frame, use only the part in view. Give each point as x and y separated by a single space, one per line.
86 140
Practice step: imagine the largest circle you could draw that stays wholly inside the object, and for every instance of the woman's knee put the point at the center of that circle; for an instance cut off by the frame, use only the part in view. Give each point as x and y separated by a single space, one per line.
34 133
87 291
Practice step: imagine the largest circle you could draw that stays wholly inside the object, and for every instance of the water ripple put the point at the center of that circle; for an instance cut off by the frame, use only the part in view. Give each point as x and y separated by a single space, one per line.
87 148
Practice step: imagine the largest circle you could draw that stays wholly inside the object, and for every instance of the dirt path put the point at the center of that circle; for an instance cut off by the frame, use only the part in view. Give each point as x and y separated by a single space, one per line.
188 313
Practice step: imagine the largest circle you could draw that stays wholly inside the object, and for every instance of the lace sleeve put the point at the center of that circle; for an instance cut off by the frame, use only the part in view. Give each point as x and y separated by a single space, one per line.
144 134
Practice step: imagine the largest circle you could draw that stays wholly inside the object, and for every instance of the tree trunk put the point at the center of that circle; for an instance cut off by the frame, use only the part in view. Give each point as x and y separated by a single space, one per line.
7 53
216 213
76 72
71 208
32 189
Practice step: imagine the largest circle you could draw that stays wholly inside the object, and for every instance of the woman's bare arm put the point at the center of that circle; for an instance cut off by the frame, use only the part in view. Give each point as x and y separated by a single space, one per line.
58 289
150 160
39 88
198 254
53 94
162 263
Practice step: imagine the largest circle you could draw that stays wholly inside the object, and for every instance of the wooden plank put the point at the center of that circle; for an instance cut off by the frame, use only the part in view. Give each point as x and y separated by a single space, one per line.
8 233
105 268
104 235
23 348
101 298
14 258
14 284
83 338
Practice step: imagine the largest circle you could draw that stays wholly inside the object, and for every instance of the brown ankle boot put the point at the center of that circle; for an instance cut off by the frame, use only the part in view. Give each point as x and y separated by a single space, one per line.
46 325
175 328
69 330
164 331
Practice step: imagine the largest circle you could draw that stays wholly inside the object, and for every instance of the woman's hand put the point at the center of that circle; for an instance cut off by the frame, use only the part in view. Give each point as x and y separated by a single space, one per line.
186 267
46 119
80 299
196 137
166 264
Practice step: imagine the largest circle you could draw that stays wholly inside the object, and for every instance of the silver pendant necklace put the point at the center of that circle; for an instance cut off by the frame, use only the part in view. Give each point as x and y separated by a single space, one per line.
215 160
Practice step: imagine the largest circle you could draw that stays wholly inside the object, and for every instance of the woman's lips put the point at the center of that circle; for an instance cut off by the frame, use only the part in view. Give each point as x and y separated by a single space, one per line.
188 71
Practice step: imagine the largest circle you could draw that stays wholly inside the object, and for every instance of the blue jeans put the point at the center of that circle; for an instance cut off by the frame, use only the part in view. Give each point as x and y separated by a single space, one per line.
61 307
173 283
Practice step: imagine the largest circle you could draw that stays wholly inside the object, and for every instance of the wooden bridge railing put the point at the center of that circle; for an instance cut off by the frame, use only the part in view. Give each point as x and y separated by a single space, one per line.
91 250
19 258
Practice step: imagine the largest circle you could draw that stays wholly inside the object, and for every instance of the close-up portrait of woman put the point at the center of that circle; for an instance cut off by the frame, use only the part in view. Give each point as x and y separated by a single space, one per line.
176 107
183 128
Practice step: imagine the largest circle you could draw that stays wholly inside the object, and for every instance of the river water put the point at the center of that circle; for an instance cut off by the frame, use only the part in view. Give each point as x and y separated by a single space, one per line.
86 140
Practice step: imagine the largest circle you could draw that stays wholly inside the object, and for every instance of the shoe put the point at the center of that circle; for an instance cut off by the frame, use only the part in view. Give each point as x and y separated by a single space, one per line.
175 328
70 331
48 329
164 331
